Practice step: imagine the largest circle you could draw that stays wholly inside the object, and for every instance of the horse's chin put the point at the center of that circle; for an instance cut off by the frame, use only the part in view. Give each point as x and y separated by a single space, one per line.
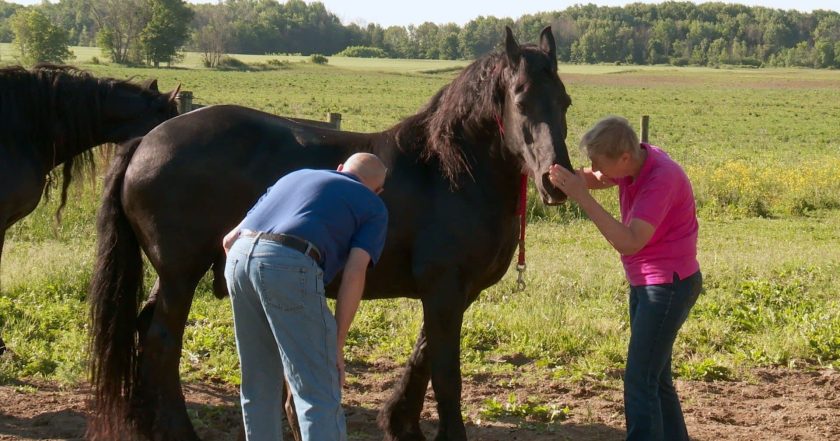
550 194
551 200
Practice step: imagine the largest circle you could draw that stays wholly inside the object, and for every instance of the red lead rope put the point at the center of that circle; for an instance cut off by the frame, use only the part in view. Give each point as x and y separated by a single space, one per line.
523 205
520 210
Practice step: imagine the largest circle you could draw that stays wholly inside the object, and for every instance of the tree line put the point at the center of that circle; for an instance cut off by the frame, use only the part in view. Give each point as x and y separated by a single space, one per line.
678 33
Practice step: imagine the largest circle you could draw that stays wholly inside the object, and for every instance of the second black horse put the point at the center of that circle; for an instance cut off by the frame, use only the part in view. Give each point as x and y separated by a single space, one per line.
451 194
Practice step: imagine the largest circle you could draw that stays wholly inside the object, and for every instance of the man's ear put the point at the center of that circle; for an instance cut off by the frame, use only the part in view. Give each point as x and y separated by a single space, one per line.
340 167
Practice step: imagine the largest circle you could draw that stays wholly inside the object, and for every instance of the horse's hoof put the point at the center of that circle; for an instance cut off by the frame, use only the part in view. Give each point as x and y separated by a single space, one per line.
451 437
405 436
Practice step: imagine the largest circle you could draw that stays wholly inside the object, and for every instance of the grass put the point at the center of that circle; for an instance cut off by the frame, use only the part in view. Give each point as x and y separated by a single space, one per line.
759 145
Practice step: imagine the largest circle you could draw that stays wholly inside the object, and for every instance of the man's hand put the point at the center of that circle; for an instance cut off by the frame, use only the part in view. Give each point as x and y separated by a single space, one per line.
340 365
230 238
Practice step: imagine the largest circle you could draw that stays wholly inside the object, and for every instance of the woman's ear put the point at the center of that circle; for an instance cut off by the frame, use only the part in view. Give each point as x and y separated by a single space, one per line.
340 167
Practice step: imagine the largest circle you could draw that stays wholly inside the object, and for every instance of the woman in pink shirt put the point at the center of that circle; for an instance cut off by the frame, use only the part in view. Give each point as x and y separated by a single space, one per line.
657 240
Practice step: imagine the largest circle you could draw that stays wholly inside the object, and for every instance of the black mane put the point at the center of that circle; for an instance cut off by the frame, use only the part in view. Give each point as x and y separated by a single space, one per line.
55 111
472 100
474 97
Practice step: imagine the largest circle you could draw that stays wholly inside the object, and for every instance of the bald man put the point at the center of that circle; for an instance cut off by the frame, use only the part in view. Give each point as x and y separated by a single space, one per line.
310 225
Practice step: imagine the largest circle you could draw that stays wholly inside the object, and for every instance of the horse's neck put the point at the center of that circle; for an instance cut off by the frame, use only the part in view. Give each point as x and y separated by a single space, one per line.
492 169
77 133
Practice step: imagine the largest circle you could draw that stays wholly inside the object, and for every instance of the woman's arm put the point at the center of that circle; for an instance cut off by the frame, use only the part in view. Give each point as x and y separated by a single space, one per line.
626 239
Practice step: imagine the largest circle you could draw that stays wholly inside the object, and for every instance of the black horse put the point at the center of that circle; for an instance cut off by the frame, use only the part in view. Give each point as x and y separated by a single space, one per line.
452 195
52 116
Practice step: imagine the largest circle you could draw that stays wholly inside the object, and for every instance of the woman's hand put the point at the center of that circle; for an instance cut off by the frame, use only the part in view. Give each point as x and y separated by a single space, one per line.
573 184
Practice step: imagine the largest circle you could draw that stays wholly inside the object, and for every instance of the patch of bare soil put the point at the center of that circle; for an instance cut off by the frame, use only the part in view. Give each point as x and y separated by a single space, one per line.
773 405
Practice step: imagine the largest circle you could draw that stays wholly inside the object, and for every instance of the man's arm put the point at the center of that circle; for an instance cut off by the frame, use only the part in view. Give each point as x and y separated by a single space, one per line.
348 298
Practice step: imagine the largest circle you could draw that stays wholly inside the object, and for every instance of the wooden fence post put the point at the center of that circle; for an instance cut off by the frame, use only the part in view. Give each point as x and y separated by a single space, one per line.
335 120
185 98
645 125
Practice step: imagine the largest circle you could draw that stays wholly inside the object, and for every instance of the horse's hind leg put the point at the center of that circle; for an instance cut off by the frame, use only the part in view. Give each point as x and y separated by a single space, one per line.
2 239
158 402
400 418
219 284
147 313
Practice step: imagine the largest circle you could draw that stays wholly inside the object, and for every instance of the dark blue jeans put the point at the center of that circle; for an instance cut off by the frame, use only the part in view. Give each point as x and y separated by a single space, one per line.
651 405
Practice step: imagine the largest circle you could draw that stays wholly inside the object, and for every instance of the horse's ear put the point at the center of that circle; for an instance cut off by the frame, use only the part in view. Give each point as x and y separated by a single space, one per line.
173 95
547 45
511 48
151 85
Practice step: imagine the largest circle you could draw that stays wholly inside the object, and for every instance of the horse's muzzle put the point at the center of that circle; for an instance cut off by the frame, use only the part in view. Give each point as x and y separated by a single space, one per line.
551 195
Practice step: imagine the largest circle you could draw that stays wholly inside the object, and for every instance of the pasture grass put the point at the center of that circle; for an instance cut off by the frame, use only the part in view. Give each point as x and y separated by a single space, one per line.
761 147
770 300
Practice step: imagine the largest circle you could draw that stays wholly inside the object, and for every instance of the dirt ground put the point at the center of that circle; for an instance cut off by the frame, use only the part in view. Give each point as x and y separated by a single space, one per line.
773 405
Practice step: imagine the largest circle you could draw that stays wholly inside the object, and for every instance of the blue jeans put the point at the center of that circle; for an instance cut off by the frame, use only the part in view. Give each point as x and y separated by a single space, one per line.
651 405
283 327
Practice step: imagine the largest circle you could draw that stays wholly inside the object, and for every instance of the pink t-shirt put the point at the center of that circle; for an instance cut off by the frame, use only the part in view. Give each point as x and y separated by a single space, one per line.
660 195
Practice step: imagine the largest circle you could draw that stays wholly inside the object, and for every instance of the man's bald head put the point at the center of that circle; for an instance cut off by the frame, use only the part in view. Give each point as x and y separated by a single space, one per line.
368 168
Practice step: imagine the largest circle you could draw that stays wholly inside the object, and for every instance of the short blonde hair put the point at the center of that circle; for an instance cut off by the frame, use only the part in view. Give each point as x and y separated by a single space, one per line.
610 137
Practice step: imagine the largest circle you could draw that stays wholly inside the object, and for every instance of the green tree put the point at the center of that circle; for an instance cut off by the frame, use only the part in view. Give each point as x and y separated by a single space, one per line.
482 35
602 41
166 31
426 38
837 54
448 41
213 33
718 52
824 54
6 11
37 39
662 37
375 35
828 28
397 42
74 16
119 24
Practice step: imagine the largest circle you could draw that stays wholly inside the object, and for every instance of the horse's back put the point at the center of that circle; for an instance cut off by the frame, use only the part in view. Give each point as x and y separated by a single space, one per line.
196 175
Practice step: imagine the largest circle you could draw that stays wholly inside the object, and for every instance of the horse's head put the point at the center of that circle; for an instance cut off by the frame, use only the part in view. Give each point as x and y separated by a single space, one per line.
130 110
534 112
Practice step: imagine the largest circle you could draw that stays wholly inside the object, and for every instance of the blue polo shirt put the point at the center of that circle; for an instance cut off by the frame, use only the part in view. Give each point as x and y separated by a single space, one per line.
331 209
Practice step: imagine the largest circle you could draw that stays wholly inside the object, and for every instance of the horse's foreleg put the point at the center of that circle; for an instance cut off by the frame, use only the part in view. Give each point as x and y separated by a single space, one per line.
437 357
443 315
158 404
400 417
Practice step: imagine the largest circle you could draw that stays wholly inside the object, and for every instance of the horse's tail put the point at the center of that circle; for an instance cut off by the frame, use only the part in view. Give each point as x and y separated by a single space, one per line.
114 297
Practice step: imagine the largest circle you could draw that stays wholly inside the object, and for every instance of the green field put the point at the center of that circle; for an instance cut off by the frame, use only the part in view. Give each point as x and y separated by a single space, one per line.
762 147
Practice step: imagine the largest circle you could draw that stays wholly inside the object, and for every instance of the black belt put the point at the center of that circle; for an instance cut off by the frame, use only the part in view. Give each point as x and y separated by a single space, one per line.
304 246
